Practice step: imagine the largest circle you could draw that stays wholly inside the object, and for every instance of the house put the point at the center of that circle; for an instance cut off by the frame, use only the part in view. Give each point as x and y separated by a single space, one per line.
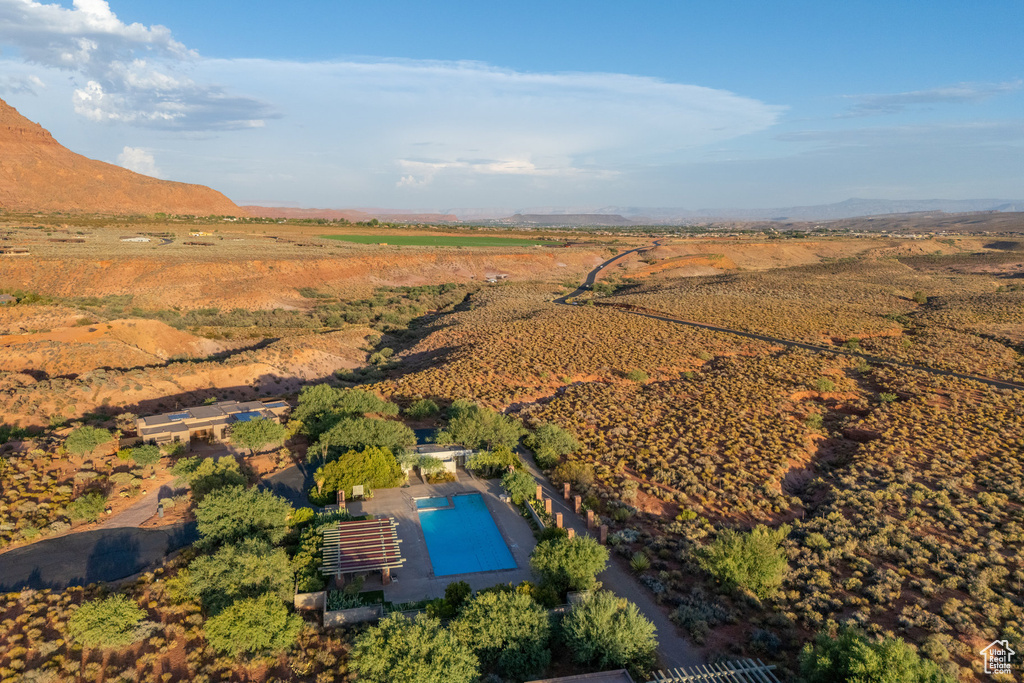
134 238
7 300
206 423
453 457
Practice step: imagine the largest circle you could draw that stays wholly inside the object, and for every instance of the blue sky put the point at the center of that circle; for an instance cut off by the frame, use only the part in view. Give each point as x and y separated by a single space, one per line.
439 105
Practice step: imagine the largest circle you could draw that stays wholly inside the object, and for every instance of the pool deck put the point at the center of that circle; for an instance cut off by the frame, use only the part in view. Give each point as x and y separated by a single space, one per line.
416 580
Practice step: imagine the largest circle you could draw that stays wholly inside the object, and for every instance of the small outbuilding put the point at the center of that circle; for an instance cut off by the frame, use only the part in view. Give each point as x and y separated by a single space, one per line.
8 300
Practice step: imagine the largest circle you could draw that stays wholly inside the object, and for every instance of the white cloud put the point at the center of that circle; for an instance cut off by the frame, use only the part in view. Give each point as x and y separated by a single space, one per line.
428 122
892 103
134 73
11 84
139 160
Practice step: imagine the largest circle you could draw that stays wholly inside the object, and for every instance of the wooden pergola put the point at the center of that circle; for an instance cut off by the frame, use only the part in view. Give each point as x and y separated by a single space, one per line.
737 671
362 546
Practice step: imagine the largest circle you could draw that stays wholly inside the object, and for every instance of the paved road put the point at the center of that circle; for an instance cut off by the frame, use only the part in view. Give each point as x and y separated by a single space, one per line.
90 556
657 315
673 649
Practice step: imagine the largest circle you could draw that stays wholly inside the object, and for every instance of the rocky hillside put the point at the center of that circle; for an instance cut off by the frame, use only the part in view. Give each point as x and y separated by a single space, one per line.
37 173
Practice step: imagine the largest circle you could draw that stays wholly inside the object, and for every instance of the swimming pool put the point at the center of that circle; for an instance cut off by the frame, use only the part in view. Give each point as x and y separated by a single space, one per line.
464 539
438 502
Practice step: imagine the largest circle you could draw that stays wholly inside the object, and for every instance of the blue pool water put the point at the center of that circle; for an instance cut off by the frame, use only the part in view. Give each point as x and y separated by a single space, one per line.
464 539
439 502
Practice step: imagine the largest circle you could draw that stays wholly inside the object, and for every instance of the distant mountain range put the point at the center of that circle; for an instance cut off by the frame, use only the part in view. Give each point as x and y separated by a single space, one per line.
850 208
638 215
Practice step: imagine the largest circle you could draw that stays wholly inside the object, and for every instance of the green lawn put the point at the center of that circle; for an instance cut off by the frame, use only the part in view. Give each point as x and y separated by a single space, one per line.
439 240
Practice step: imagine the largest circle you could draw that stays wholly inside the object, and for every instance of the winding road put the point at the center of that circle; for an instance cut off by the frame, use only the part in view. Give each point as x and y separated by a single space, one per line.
657 315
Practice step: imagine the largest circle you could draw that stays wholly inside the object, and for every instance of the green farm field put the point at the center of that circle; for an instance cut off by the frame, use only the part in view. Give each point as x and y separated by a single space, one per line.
440 240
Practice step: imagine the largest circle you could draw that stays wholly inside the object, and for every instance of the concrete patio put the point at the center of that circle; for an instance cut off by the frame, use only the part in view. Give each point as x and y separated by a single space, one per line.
415 580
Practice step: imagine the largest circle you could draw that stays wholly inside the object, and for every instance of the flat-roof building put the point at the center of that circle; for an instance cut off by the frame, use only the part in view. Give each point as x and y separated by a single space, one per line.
206 423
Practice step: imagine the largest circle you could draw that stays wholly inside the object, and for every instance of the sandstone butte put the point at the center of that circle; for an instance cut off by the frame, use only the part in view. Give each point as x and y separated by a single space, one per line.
37 173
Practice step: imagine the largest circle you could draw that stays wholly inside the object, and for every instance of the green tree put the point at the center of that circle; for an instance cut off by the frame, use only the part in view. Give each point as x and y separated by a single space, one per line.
850 658
362 432
84 440
321 406
520 485
508 631
492 463
608 631
416 650
569 563
244 570
233 513
87 507
260 625
422 408
754 561
208 474
145 455
255 434
475 426
549 442
373 467
111 622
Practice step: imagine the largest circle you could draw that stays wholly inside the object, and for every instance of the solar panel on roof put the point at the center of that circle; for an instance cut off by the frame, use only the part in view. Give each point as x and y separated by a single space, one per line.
246 417
277 404
174 417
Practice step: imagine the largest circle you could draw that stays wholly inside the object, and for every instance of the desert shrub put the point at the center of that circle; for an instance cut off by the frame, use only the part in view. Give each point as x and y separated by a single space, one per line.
87 507
609 632
754 561
233 513
255 434
84 440
520 485
145 455
422 408
373 467
456 594
113 622
475 426
508 631
549 442
574 472
416 650
637 376
493 463
639 562
850 657
569 564
824 385
260 625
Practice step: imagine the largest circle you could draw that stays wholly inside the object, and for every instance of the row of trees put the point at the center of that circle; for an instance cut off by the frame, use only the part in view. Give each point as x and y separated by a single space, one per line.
508 631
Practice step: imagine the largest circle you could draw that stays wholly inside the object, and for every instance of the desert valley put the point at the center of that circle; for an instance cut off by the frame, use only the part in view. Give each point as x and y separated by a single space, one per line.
257 443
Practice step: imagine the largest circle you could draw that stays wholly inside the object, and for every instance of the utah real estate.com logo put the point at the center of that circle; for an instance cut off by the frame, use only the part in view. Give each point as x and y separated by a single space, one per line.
998 657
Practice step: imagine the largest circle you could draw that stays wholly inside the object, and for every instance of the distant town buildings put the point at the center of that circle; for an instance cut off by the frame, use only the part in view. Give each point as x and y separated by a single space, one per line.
134 238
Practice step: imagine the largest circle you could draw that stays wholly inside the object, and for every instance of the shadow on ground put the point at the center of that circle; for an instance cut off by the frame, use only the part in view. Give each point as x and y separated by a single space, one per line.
90 556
